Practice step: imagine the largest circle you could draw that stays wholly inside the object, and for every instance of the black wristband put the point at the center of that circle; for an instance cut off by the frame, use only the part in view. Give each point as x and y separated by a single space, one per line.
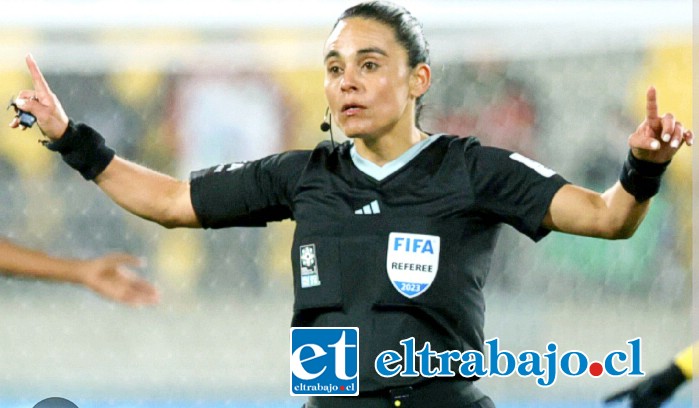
641 178
83 149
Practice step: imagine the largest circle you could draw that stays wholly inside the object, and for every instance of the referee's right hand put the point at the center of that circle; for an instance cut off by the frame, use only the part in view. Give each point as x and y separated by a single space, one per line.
42 103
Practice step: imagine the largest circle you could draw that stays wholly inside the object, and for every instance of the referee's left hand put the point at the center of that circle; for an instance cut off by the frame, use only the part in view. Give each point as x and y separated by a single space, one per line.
657 139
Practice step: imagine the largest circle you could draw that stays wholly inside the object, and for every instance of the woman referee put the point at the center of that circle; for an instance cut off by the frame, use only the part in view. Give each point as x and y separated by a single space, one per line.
360 207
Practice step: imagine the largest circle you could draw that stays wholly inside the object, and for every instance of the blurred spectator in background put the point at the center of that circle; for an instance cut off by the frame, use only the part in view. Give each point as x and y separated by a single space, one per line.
126 126
108 275
204 132
499 108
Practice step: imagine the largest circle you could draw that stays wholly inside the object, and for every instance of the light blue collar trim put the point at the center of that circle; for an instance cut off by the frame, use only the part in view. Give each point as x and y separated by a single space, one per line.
381 172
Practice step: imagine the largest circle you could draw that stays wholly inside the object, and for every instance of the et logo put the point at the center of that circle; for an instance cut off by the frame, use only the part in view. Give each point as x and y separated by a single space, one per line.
324 361
55 402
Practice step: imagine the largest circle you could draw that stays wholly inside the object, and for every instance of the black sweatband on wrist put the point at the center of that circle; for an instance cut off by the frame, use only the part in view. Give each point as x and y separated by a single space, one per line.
83 149
641 178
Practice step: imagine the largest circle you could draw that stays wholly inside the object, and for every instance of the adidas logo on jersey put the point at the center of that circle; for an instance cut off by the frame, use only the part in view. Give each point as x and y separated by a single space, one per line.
369 209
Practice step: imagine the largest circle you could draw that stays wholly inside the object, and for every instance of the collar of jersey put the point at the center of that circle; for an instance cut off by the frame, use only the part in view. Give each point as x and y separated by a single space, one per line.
381 172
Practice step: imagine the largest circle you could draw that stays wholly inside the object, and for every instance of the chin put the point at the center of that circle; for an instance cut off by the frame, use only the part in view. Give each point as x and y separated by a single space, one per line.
357 132
353 133
356 135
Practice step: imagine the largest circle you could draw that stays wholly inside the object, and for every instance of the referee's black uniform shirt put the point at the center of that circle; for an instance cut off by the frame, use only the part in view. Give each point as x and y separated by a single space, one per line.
453 190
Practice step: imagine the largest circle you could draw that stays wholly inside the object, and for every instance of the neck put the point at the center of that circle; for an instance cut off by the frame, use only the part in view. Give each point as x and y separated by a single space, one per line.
388 147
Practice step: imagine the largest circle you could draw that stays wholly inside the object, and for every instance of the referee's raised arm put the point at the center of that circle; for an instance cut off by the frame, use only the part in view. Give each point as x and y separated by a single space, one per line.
619 211
151 195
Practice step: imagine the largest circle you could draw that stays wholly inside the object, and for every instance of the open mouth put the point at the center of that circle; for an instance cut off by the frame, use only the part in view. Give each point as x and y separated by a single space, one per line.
351 108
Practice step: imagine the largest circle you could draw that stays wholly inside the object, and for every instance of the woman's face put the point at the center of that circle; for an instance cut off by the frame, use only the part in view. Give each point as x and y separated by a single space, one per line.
367 79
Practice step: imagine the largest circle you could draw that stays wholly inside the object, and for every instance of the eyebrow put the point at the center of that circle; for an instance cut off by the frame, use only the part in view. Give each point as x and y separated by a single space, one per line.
370 50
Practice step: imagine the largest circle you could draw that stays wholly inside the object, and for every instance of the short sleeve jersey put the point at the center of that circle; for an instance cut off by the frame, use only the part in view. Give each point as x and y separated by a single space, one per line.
404 256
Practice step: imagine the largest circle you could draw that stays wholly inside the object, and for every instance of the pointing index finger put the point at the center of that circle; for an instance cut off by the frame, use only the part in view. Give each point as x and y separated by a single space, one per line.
40 84
651 105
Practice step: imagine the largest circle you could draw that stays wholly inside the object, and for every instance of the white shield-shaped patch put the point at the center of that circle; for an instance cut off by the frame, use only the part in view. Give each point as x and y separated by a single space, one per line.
412 262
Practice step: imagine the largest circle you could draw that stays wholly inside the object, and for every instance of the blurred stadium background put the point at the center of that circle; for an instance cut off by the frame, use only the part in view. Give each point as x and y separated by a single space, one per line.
179 86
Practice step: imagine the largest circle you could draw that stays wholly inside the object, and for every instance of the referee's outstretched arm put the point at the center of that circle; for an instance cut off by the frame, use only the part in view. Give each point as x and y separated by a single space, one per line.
614 214
617 213
139 190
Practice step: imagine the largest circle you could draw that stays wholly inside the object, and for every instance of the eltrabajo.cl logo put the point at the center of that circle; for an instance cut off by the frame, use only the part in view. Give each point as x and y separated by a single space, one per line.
324 361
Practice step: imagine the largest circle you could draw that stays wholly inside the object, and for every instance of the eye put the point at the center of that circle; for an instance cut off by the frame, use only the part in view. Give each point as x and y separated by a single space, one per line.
334 70
370 65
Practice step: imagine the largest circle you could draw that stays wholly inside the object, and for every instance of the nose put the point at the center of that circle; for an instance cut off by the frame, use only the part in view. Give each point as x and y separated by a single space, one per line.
348 83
